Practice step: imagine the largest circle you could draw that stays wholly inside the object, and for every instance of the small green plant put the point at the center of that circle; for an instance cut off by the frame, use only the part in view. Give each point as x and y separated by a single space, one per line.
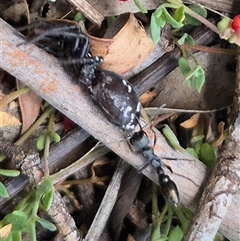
200 148
202 151
195 77
182 15
177 14
162 228
6 173
44 141
25 216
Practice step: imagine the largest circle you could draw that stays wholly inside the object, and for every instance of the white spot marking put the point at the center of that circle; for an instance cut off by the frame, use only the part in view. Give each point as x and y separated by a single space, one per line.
128 109
138 107
124 82
128 85
129 126
132 117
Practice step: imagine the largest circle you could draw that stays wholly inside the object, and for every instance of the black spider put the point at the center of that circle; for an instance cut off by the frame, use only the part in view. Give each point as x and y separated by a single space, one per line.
112 93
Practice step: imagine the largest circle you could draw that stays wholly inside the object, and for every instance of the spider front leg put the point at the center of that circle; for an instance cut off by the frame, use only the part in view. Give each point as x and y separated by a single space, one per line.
64 41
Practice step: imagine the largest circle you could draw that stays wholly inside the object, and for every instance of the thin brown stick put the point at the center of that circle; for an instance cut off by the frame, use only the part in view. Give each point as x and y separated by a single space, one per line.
89 12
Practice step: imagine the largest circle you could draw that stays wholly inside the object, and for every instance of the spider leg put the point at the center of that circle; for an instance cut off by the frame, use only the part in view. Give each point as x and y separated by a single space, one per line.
65 32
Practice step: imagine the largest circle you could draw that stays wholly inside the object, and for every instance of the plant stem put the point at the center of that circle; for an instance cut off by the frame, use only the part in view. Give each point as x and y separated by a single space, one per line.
169 220
210 49
183 220
32 230
14 95
193 57
46 155
34 126
87 180
48 142
201 19
194 15
91 155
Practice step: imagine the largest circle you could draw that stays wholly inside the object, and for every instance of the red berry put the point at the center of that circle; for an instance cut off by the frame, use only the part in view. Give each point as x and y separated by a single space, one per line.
68 124
235 24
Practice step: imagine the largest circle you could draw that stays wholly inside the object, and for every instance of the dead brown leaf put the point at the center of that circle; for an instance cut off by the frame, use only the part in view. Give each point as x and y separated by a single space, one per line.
29 104
5 231
146 97
192 122
130 238
8 120
129 47
219 140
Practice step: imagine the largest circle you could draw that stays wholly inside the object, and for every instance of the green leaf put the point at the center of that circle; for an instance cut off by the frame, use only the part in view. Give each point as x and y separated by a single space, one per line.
9 173
192 152
207 155
193 21
172 139
197 148
140 6
79 17
179 14
184 216
46 224
176 234
18 219
198 78
184 66
190 39
181 41
186 38
41 142
45 187
47 199
54 137
197 139
170 19
3 191
160 239
195 78
156 234
188 214
158 12
161 21
155 29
